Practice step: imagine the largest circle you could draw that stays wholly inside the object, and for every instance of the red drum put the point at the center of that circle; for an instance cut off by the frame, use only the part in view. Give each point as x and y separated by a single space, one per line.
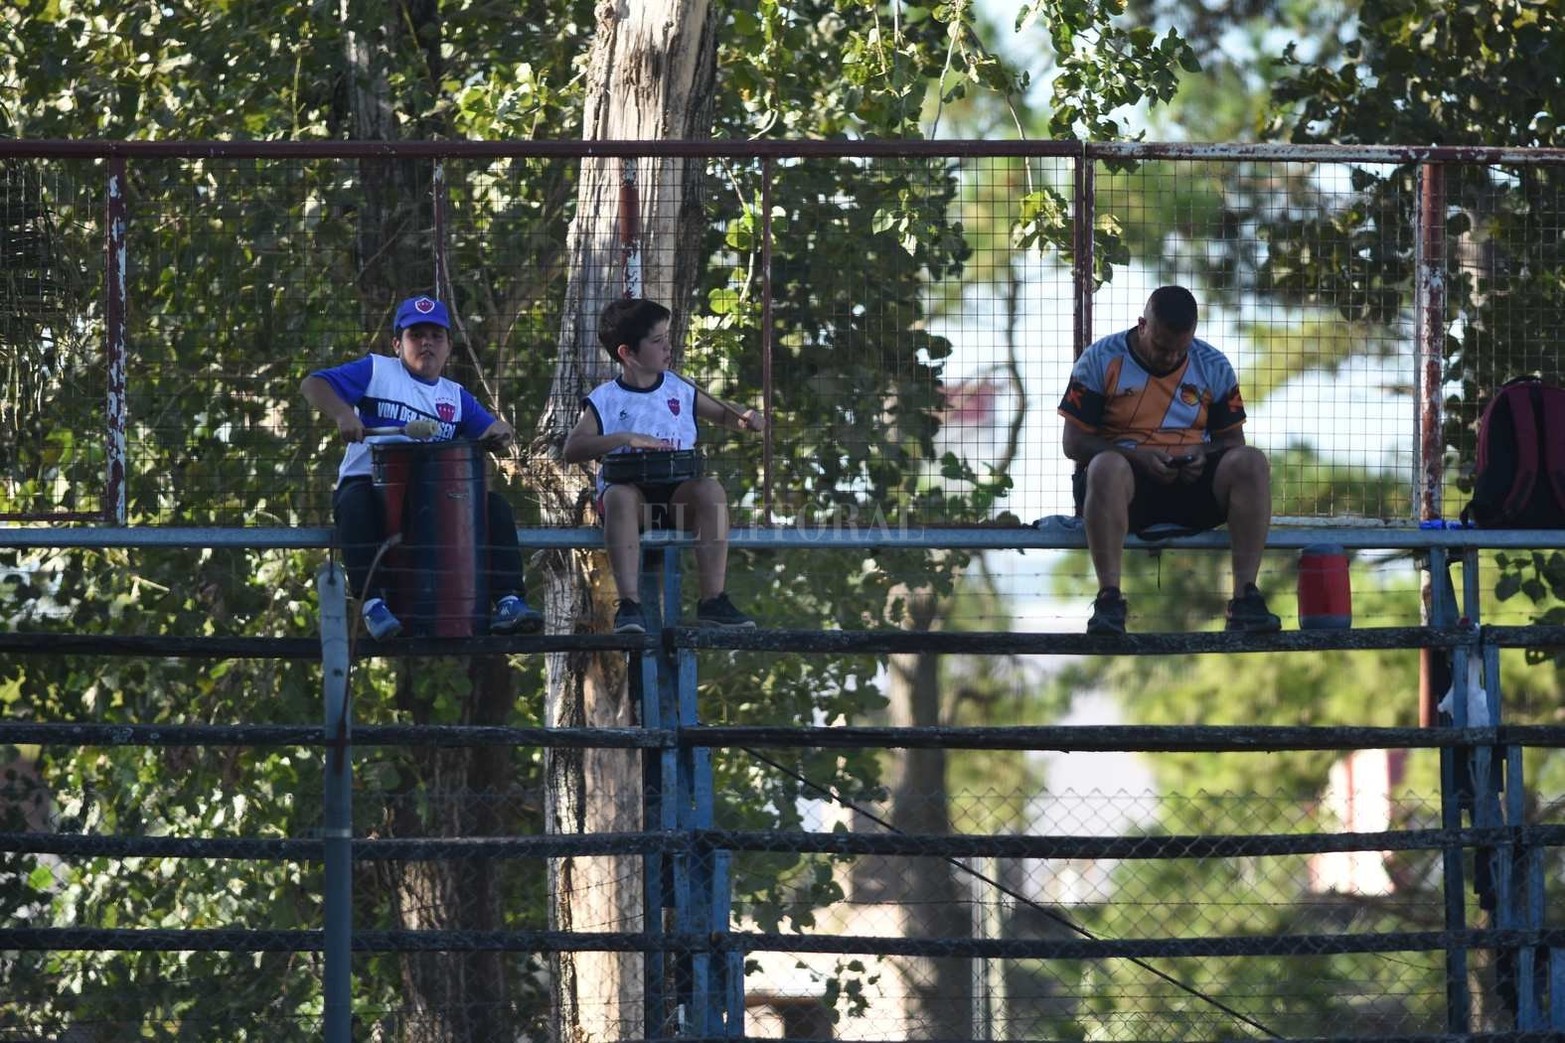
436 496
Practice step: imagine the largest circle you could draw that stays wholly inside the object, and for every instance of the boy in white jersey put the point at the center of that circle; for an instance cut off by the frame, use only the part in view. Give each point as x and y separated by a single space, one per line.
650 407
1155 423
385 391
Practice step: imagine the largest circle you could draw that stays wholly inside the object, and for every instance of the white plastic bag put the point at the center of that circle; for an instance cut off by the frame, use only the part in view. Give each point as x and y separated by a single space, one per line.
1477 698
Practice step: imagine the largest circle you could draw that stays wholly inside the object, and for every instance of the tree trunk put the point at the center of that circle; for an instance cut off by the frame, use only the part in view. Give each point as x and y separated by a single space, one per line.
395 218
454 996
938 991
650 76
451 997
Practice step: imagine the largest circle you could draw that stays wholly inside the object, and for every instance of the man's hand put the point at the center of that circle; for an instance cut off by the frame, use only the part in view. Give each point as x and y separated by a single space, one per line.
1155 464
1189 463
752 420
1183 466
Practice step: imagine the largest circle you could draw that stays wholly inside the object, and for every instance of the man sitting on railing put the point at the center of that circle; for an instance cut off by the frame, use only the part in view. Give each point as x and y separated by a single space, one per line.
1155 423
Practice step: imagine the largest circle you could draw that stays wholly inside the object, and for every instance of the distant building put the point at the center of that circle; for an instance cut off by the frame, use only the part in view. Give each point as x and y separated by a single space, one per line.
1358 799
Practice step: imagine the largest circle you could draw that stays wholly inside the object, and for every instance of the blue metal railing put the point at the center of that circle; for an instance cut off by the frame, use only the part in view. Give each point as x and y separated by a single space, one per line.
694 960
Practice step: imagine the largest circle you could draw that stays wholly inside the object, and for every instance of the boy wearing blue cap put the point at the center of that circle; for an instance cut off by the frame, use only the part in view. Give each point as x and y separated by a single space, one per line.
382 391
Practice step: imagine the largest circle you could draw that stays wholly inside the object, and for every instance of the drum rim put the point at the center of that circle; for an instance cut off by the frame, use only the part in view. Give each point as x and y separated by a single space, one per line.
629 458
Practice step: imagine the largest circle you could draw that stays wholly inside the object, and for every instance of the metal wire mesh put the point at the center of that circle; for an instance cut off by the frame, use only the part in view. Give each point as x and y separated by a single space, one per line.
878 306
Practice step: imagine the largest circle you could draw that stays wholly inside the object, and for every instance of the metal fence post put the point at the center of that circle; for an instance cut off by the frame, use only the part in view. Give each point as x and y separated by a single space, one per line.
337 828
659 810
1453 786
678 893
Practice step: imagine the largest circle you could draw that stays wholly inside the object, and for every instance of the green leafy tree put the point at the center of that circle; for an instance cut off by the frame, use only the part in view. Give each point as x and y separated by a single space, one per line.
1466 75
250 281
1241 794
876 459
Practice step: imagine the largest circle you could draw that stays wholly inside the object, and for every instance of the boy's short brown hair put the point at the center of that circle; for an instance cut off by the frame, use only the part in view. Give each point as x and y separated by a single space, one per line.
627 321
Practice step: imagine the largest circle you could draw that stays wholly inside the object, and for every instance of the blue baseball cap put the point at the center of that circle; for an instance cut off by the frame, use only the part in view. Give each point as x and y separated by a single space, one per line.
419 309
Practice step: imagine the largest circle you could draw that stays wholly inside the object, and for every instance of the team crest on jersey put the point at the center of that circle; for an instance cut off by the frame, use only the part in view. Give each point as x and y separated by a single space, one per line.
1189 394
673 406
446 411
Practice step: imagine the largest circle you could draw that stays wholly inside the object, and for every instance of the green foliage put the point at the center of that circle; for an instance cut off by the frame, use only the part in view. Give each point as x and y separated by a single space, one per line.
1249 794
1434 72
1103 67
992 691
1279 793
1235 45
248 281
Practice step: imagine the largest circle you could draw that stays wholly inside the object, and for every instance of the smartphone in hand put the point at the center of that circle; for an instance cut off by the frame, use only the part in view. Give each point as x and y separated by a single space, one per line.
1180 461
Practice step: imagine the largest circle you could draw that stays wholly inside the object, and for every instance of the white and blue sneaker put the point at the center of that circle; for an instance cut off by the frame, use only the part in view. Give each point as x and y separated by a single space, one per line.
378 620
512 615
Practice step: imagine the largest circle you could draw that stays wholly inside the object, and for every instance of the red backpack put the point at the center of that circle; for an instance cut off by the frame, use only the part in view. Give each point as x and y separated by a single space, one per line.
1520 482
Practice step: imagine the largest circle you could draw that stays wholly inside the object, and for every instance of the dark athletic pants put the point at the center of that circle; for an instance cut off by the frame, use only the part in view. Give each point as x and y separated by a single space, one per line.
361 527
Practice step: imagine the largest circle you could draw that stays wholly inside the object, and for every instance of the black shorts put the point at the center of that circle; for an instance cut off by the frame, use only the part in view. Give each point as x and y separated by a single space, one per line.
1193 507
658 513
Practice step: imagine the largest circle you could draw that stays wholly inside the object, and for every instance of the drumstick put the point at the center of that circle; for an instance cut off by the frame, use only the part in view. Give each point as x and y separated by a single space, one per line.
744 421
418 428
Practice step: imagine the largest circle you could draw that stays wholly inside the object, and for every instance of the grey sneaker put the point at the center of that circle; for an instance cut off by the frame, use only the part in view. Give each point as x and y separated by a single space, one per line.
720 612
628 618
1248 613
1108 612
378 620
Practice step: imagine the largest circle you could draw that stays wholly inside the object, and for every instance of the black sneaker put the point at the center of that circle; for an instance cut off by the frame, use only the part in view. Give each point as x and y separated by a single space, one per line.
628 618
1108 612
1248 613
720 612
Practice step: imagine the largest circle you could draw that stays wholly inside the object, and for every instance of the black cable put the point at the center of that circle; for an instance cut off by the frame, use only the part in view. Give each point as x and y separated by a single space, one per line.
832 794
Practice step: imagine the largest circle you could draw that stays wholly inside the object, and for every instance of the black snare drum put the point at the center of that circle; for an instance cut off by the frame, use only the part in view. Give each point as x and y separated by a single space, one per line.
652 467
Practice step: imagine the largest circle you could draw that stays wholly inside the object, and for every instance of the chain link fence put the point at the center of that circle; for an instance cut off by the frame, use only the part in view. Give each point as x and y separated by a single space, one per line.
905 318
908 319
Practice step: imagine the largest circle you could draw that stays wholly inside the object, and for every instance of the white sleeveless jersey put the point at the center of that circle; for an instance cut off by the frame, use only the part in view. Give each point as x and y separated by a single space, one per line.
665 411
387 395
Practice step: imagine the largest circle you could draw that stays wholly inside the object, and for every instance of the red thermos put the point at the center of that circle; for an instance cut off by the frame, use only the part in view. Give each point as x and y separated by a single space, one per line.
1325 598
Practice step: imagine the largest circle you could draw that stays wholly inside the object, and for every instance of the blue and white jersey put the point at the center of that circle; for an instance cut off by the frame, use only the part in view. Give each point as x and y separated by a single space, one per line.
665 411
387 395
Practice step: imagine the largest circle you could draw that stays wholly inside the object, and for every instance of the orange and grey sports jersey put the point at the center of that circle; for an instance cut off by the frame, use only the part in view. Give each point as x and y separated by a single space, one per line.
1110 394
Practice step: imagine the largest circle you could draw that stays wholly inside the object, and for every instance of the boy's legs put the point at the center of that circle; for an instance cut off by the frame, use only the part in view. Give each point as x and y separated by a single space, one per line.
504 556
700 507
361 527
504 553
623 506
